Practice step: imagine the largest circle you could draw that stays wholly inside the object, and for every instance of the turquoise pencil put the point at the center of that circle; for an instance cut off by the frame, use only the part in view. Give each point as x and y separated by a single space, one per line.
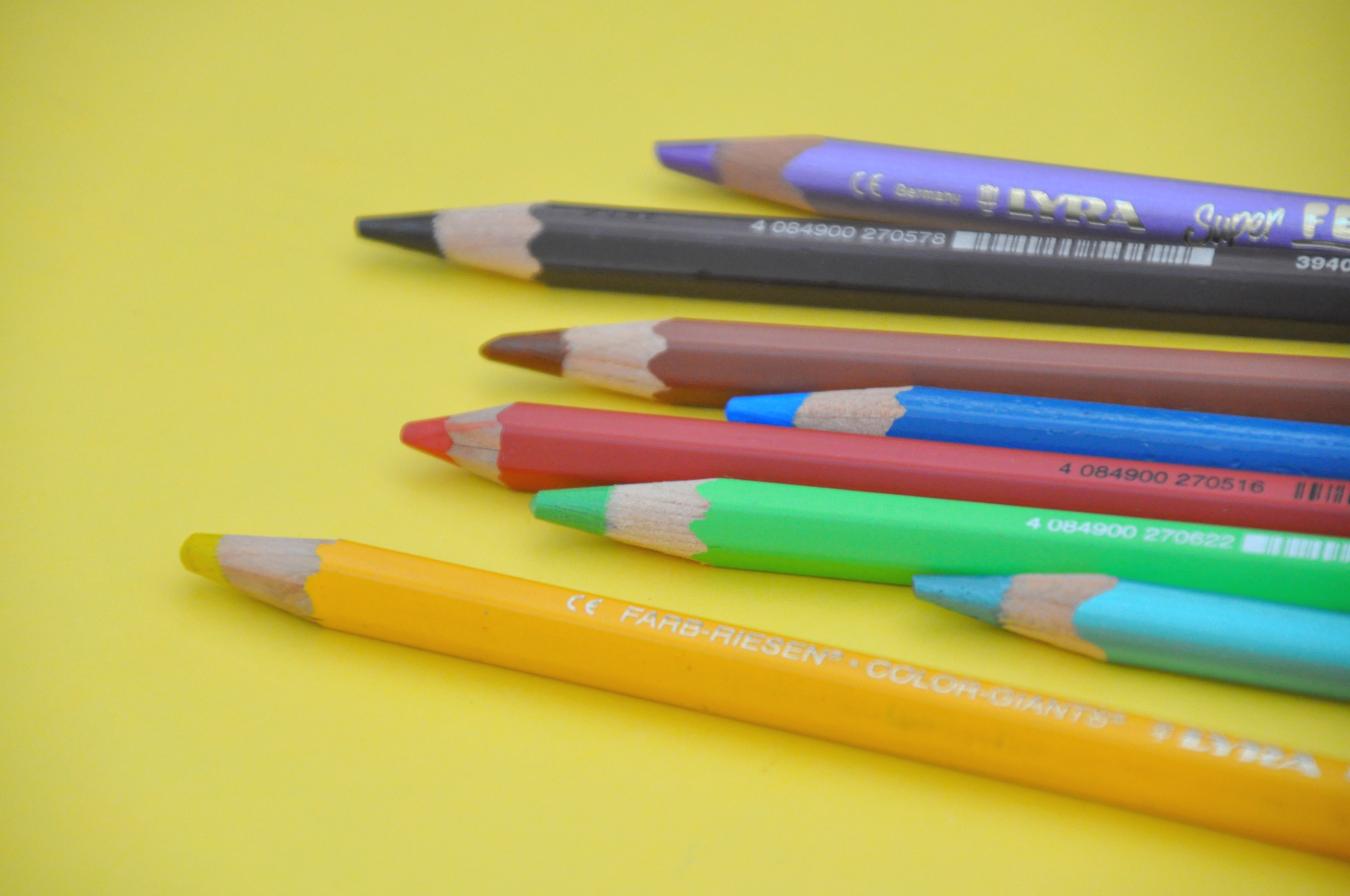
1070 427
1195 633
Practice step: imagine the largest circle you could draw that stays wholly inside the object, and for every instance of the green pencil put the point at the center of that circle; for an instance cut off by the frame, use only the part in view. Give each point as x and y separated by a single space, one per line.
890 538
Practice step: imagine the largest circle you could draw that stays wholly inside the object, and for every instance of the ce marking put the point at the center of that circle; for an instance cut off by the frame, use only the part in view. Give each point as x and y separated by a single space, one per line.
866 186
588 607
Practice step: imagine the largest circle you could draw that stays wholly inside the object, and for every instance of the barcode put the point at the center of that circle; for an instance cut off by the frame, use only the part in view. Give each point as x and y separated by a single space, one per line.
1078 249
1324 549
1326 492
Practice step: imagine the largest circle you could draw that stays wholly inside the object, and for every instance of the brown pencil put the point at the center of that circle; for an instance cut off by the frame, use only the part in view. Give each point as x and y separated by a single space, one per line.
707 362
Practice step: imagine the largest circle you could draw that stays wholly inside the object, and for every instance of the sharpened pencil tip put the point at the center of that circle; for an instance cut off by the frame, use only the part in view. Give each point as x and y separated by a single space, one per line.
980 597
430 436
693 157
417 232
542 350
198 554
576 508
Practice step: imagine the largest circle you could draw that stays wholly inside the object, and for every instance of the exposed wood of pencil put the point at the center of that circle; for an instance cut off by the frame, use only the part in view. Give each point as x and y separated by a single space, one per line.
1042 607
754 166
494 238
866 411
658 518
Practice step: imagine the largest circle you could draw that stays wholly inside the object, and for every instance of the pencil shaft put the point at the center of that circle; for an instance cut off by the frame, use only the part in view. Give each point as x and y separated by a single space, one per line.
1190 632
876 181
1049 424
1177 771
532 447
707 362
1220 637
842 263
890 538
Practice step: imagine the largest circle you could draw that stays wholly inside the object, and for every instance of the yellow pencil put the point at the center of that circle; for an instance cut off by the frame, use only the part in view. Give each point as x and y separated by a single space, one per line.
1228 783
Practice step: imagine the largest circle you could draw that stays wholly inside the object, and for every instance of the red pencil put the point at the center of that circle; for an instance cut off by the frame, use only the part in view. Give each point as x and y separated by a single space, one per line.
532 447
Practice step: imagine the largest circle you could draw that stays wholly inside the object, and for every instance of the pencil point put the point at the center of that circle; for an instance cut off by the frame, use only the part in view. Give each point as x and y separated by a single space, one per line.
430 436
541 350
576 508
980 597
416 232
198 554
694 157
771 410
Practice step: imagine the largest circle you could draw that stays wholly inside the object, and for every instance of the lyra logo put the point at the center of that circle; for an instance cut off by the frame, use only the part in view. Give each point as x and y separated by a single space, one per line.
1072 208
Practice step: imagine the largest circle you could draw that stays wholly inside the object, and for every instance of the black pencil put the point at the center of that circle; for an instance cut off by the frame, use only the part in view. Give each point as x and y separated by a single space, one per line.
855 264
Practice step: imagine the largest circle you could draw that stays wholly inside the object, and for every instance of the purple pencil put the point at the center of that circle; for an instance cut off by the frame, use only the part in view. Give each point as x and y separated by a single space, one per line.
915 186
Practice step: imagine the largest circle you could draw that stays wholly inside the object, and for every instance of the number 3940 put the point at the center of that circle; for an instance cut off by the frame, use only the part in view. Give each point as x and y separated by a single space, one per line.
1322 263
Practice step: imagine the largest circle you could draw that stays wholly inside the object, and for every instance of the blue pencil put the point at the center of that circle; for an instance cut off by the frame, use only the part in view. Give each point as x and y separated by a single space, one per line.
1191 632
1059 425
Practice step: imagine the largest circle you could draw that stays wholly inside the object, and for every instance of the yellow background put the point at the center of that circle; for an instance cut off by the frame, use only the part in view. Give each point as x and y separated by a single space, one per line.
194 340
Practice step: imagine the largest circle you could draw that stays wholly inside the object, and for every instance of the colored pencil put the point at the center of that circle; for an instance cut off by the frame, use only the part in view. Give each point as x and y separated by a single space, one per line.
1295 447
533 447
1176 771
876 181
707 362
846 264
872 537
1191 632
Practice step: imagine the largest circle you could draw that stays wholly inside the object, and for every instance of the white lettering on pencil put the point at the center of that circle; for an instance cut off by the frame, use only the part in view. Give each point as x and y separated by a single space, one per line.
819 655
872 185
730 636
922 194
1000 697
1040 206
1212 227
945 685
1243 751
589 607
1315 215
691 628
635 615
